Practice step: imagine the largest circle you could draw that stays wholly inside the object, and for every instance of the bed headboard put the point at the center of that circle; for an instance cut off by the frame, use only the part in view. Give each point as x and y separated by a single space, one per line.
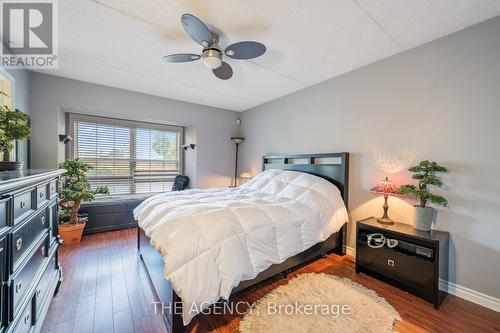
333 167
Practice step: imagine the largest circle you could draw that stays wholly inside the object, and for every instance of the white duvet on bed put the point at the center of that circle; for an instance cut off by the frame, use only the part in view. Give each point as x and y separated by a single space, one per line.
213 239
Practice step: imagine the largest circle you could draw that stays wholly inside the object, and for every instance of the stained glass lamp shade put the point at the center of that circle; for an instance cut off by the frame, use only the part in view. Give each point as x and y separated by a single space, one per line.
386 188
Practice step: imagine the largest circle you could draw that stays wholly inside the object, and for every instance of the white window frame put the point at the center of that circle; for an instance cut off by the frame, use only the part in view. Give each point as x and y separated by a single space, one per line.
133 125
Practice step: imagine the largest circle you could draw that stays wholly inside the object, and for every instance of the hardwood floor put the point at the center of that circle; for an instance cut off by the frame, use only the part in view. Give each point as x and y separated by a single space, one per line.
106 289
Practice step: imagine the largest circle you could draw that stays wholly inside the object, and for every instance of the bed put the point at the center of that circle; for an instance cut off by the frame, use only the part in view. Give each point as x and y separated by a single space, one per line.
220 264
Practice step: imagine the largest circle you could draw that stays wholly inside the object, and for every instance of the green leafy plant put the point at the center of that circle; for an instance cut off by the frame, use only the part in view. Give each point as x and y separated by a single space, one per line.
425 173
13 126
75 190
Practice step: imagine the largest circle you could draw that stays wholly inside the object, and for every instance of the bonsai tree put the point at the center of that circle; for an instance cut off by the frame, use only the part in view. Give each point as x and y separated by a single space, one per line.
425 173
13 126
76 189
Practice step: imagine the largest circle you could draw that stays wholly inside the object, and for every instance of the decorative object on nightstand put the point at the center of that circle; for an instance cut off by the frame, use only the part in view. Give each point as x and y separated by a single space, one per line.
386 188
425 173
237 141
409 259
246 176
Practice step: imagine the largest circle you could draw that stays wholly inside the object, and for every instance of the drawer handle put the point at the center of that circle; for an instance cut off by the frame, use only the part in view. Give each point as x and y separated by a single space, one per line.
52 189
26 318
19 244
18 287
43 220
390 262
38 292
22 204
42 250
41 195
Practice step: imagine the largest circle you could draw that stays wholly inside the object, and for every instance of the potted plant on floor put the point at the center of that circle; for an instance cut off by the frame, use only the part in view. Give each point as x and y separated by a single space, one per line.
13 126
75 190
425 173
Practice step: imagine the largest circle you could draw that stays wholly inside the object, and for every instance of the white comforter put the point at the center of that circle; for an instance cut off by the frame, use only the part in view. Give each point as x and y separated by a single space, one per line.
213 239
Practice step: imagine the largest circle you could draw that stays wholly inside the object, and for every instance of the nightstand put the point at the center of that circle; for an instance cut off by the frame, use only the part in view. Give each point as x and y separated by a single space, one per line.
415 263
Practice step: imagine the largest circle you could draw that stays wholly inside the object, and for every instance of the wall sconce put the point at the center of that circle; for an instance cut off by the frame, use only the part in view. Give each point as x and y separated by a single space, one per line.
188 146
65 138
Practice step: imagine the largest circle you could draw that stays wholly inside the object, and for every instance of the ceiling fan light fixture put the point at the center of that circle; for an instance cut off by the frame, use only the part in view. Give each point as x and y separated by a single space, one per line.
212 58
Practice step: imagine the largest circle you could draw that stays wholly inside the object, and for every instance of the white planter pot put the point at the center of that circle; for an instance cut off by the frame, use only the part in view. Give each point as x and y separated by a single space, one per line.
423 218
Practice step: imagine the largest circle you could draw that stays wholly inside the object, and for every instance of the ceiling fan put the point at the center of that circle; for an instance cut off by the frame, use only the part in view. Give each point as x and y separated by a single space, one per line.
212 53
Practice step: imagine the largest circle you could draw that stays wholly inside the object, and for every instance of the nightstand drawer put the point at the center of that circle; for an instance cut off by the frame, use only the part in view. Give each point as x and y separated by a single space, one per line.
410 270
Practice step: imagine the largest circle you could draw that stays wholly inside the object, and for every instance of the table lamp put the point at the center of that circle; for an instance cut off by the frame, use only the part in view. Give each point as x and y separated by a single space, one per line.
386 188
246 176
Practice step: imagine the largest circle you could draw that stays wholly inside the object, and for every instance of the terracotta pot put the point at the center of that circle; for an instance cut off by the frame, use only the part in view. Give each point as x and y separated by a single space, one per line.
71 233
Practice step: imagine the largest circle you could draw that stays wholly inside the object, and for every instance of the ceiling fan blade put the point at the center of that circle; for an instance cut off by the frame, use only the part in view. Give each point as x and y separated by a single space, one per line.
197 30
181 57
224 72
245 50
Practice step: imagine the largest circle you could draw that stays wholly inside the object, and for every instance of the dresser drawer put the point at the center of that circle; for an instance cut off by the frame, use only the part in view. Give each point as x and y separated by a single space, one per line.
23 205
25 234
43 288
53 189
26 320
42 194
4 212
22 281
3 274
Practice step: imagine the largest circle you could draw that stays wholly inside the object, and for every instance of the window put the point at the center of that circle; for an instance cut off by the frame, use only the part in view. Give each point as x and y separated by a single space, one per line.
129 157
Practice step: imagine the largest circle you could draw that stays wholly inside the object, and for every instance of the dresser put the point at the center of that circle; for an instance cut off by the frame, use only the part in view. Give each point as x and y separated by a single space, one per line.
29 242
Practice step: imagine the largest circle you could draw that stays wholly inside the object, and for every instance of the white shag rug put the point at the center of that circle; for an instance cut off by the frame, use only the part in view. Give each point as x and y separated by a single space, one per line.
320 303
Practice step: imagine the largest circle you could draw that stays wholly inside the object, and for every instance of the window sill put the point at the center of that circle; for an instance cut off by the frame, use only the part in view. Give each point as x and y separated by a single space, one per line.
117 199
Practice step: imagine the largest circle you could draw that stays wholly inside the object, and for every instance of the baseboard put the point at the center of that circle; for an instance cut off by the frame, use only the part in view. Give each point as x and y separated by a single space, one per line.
473 296
350 251
451 288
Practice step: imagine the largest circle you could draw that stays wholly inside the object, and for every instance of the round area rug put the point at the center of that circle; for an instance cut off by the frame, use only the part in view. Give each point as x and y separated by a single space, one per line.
320 303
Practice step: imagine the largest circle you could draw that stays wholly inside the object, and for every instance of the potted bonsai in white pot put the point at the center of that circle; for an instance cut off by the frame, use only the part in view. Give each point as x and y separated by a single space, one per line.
425 173
75 190
13 126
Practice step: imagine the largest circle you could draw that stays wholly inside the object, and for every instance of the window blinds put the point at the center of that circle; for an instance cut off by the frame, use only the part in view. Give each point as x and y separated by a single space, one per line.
129 157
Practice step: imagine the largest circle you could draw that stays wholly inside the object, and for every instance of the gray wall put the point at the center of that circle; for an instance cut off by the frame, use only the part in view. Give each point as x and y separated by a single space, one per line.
210 164
21 100
439 101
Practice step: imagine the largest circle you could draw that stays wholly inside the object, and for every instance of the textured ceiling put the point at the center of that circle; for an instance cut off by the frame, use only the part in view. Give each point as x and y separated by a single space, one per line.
120 43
